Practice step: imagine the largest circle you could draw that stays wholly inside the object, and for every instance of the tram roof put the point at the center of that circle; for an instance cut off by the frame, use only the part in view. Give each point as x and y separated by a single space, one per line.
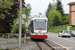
39 17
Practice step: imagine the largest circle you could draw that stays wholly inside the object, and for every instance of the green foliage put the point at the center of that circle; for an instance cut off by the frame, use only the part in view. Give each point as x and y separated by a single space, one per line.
27 10
56 9
19 0
60 7
0 36
15 27
56 21
48 9
9 11
2 16
57 30
1 49
40 13
51 16
16 30
70 25
24 19
65 20
5 5
4 36
73 27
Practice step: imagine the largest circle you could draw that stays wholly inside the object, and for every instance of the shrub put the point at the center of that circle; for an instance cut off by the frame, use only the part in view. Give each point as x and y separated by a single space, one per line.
52 15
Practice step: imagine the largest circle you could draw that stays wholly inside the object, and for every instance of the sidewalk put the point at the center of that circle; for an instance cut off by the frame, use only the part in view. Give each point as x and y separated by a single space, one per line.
30 45
9 44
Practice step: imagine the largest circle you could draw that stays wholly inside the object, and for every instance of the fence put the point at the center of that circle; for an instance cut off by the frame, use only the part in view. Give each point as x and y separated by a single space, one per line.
3 34
10 41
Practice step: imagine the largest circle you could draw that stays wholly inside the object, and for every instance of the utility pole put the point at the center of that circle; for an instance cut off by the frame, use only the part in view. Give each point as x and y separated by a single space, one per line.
20 24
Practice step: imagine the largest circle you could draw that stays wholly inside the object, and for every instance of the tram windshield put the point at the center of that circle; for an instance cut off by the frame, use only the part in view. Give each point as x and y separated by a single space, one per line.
40 24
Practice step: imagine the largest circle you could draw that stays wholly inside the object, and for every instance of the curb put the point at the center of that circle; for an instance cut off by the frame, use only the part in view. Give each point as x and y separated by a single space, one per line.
59 44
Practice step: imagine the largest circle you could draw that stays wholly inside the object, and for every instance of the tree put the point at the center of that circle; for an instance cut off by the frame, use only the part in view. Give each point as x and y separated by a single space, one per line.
27 10
9 10
56 21
5 20
48 9
65 19
15 27
60 7
51 16
40 13
4 6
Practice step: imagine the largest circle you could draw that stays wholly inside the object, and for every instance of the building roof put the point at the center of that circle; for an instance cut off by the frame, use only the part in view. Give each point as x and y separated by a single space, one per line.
71 3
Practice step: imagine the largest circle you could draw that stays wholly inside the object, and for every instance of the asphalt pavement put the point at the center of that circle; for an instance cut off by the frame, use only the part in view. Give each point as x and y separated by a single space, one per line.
66 42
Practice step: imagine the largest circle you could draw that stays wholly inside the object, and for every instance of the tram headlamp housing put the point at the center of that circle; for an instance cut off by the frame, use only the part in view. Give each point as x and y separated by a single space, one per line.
45 34
34 33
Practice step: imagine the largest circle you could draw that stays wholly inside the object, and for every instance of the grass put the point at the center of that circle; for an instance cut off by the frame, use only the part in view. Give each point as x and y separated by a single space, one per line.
57 30
72 28
0 36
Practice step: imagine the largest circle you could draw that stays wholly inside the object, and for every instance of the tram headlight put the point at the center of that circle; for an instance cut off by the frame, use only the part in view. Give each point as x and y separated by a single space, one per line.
34 33
45 34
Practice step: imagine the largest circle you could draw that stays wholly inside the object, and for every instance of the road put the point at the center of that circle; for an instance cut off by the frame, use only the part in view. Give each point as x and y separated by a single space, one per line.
66 42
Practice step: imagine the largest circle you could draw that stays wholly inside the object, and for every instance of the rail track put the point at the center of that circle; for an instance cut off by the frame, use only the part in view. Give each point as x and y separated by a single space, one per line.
48 45
43 46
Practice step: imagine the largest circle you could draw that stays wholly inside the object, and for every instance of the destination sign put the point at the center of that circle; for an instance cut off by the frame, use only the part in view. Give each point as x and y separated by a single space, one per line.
40 20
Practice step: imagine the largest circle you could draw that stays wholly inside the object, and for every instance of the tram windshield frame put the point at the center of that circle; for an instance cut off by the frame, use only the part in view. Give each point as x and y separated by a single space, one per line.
40 24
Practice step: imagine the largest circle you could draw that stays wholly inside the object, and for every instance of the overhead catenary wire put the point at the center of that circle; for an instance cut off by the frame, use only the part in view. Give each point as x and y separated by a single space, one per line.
37 7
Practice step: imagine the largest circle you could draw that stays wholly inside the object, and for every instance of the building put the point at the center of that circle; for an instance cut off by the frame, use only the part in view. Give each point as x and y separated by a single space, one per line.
72 13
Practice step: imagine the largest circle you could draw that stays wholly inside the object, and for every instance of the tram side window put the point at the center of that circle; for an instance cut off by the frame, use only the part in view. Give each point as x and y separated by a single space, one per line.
31 26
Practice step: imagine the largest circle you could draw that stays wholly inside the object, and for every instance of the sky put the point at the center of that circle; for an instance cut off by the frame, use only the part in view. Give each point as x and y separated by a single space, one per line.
42 5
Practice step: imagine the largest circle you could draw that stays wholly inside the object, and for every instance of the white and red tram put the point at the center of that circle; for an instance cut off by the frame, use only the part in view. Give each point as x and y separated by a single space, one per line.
38 28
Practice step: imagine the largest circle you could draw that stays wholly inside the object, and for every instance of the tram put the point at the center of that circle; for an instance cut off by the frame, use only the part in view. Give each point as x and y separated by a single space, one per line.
38 27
